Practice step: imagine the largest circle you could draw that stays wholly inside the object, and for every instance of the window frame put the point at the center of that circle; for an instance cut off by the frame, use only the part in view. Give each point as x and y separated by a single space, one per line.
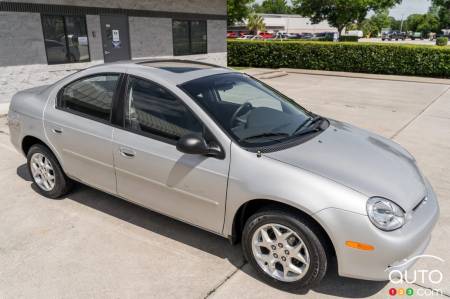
115 98
189 21
63 16
206 133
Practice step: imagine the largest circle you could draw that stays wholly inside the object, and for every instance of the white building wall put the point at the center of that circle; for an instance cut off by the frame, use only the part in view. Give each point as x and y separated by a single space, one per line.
295 24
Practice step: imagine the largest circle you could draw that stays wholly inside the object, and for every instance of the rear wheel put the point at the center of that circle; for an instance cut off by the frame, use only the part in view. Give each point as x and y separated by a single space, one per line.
285 250
46 172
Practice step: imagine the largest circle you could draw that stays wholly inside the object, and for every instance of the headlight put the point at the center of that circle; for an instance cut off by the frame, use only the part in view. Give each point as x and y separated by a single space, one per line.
385 214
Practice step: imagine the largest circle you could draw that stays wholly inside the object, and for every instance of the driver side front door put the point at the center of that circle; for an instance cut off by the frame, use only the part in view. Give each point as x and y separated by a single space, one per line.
150 170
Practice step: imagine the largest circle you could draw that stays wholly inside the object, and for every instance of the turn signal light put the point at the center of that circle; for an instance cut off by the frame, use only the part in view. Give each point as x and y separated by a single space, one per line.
360 246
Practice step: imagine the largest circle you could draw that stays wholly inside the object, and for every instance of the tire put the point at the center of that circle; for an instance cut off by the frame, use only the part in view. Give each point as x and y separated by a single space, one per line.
62 184
307 231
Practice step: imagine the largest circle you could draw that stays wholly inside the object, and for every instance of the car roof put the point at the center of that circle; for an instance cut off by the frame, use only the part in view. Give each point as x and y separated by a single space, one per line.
176 71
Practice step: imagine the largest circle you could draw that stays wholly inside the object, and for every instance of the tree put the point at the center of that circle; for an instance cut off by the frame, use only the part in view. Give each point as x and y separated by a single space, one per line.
441 9
413 22
273 6
374 25
340 13
238 10
368 28
425 23
255 23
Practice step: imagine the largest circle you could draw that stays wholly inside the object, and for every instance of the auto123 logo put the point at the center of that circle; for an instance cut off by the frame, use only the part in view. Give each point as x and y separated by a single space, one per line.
424 278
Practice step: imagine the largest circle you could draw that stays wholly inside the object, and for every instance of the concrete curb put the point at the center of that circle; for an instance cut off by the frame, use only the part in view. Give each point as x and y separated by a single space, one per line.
369 76
4 107
272 75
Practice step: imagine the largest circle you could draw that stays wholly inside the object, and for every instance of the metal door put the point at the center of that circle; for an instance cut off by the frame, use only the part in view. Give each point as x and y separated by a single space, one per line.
115 37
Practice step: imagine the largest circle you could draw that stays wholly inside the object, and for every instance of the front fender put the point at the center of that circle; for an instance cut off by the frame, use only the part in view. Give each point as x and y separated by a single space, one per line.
253 177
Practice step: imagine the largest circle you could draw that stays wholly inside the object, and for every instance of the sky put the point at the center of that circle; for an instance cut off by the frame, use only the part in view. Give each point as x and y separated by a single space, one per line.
406 8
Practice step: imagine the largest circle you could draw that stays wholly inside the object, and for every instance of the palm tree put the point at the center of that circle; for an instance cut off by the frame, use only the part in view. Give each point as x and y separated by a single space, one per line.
255 23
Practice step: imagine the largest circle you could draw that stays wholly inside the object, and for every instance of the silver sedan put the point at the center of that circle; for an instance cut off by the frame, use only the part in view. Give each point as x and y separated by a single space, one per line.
220 150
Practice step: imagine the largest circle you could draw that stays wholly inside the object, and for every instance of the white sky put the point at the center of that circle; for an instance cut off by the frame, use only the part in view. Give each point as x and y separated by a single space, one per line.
406 8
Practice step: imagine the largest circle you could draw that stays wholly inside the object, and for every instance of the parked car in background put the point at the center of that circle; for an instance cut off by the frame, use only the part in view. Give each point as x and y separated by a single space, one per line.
415 35
325 36
232 35
307 35
220 150
293 36
246 36
257 37
266 35
393 35
280 35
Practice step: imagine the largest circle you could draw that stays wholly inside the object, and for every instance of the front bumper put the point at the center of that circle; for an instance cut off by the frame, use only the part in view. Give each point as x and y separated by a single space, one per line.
391 248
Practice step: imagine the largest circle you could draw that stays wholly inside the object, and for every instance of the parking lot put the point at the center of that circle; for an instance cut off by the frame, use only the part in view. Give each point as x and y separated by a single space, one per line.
424 41
94 245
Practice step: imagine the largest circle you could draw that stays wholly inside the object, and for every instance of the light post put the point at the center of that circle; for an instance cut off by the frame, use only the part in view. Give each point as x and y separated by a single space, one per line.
401 24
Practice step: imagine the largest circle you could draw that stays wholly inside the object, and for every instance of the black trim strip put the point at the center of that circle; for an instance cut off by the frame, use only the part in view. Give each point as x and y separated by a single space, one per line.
83 10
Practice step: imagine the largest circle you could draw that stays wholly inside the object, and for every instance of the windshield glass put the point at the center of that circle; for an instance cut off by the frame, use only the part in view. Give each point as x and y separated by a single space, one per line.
250 111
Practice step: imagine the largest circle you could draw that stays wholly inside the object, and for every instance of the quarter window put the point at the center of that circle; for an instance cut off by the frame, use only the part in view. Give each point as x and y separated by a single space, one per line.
65 39
152 109
189 37
92 96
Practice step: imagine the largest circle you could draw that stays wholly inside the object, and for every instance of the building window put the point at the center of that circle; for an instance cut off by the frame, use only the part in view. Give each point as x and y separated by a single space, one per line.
189 37
65 39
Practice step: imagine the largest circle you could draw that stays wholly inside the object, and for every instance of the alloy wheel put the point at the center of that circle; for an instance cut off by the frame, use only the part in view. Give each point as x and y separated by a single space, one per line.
280 252
42 171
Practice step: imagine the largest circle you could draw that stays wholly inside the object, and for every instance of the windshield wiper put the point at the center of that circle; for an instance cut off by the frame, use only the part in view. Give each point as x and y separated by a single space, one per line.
266 135
310 122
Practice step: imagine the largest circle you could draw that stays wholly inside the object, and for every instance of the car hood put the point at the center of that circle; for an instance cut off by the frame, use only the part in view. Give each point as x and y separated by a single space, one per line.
360 160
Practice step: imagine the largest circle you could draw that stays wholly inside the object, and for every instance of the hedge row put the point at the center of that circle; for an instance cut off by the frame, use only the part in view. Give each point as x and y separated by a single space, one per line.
374 58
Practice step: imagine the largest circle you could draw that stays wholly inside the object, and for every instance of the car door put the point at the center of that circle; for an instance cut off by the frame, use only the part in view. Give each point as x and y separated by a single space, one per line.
150 170
78 127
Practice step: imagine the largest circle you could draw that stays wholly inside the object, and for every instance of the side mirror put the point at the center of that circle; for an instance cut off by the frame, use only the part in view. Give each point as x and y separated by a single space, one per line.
195 144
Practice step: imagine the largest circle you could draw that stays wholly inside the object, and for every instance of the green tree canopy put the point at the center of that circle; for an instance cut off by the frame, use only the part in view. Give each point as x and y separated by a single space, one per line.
373 26
238 10
425 23
340 13
441 9
273 6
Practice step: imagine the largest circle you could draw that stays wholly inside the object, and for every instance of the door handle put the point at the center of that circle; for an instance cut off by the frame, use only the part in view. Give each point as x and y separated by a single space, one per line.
57 130
107 52
127 153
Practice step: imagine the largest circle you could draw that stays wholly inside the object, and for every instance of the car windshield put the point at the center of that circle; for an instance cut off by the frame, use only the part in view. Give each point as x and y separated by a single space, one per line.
250 111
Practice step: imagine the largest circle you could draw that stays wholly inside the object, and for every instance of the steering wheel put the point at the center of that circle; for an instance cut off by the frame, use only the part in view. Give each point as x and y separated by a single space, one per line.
243 108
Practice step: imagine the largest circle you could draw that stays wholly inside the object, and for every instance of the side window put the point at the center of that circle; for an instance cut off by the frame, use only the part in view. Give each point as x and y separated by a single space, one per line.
92 96
152 109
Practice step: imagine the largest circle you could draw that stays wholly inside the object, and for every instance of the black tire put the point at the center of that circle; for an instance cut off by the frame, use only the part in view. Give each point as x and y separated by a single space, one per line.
62 183
306 230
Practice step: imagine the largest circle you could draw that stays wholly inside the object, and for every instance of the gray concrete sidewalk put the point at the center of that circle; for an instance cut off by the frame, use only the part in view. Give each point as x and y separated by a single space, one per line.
94 245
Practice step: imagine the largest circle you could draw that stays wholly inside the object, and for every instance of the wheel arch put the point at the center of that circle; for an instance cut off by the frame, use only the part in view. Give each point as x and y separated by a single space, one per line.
29 140
250 207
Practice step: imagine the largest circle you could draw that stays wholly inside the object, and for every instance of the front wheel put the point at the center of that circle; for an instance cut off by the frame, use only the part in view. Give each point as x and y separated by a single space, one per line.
286 250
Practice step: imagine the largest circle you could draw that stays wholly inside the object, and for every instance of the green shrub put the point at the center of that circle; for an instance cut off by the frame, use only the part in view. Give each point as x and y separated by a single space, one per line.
377 58
441 41
348 38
